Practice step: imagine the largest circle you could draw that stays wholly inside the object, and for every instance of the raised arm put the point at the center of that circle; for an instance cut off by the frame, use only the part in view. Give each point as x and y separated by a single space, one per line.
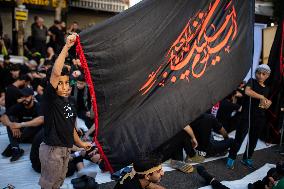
59 63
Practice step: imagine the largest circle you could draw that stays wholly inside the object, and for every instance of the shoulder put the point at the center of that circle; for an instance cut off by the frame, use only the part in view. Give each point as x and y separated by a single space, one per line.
15 109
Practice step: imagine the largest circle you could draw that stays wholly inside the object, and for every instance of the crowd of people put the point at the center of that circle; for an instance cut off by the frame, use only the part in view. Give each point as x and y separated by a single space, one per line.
41 99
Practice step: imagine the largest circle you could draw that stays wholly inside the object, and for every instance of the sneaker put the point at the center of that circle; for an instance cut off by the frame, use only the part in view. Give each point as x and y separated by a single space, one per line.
230 163
248 163
195 159
8 151
204 174
16 154
182 166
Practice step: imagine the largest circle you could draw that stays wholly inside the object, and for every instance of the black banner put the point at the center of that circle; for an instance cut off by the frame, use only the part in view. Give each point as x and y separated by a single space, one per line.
275 82
159 65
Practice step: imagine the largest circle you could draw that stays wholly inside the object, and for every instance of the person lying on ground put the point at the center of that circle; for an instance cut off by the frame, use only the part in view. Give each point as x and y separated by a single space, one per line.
146 174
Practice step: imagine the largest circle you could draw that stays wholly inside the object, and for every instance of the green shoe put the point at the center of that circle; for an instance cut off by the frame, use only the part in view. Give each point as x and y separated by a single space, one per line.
195 159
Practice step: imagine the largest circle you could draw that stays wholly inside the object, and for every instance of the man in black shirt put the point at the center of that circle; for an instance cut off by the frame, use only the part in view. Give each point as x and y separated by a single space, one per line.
83 101
13 92
228 112
10 73
23 121
39 36
59 124
147 173
56 36
202 128
252 118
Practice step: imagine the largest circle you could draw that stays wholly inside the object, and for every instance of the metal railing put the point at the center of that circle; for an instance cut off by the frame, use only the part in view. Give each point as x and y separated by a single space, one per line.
103 5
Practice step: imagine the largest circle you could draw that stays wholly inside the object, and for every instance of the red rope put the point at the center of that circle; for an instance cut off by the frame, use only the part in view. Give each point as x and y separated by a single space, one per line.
281 52
90 83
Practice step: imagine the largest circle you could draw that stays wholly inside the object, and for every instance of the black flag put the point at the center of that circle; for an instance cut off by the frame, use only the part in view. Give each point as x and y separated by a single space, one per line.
157 66
275 82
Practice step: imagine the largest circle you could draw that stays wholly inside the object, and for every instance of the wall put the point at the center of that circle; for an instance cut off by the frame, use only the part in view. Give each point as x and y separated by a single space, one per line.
268 38
82 16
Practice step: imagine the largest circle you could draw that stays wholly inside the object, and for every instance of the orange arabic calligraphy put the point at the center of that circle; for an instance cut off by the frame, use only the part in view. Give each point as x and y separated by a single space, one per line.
199 44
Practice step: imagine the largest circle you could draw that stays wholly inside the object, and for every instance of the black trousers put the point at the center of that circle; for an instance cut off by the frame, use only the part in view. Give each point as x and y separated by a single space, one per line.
173 148
257 125
217 147
27 136
217 185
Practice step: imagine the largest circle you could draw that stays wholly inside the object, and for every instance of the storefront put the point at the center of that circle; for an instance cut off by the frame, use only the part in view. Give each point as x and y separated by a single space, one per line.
86 12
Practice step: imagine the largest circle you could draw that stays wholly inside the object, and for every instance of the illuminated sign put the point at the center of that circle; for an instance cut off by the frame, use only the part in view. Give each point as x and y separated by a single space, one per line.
21 14
44 3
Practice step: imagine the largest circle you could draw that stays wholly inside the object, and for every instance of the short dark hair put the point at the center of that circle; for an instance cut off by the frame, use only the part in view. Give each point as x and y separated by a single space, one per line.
56 22
65 71
14 67
145 162
81 78
24 77
36 18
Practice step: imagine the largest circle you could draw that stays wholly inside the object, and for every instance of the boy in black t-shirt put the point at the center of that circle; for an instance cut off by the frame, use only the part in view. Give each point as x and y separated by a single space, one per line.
254 106
59 124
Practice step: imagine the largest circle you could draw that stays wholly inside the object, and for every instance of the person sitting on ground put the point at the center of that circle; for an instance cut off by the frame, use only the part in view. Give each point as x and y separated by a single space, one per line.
173 150
202 128
253 117
82 97
12 75
228 113
146 174
23 121
40 89
13 92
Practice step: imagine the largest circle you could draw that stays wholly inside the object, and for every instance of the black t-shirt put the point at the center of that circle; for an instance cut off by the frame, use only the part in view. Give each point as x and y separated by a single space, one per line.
59 119
11 96
255 109
83 101
129 184
225 111
203 126
6 76
23 114
59 35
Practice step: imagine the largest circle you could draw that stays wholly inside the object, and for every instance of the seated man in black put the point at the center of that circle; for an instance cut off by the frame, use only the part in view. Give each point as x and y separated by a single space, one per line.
228 113
147 173
82 97
23 121
202 128
13 92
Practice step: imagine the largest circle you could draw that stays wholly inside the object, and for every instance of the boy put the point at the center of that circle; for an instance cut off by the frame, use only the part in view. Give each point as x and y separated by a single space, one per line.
147 174
59 124
257 91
